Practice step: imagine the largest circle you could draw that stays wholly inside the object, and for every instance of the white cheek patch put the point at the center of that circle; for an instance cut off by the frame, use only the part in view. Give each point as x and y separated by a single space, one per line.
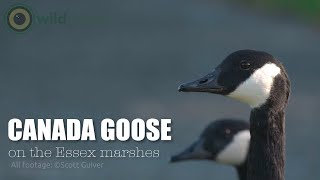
256 89
236 152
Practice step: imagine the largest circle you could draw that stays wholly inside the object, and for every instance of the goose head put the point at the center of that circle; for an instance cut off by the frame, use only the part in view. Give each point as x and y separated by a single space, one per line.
252 77
225 141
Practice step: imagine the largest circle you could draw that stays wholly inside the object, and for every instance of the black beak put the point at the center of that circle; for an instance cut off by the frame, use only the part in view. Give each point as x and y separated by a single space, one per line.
184 155
208 83
195 151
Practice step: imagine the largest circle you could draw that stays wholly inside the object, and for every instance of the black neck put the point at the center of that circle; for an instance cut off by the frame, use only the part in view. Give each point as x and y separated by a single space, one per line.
242 171
267 146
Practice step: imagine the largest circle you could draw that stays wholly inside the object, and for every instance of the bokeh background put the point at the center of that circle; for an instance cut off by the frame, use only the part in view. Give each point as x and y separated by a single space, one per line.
126 59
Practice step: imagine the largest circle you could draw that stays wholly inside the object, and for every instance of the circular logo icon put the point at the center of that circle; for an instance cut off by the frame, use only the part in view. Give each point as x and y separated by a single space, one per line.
19 18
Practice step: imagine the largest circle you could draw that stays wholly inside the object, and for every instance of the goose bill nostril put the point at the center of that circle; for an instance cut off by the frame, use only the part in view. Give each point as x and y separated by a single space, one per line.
203 81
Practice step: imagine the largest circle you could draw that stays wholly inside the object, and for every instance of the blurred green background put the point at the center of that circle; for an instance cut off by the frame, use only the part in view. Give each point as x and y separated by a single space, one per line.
126 59
308 10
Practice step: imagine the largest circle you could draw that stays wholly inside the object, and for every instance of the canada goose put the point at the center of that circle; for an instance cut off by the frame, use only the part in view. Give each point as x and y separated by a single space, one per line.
225 141
259 80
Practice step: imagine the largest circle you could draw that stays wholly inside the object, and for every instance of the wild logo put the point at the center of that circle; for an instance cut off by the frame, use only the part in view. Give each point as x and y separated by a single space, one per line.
20 18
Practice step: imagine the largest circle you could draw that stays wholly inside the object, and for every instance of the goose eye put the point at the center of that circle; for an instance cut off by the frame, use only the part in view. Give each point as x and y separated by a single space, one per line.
245 65
227 131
